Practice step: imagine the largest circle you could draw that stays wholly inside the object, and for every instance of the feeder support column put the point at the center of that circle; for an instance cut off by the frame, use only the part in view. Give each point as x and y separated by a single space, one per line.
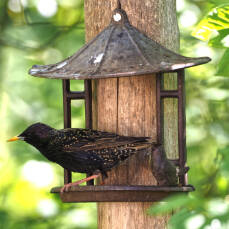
128 105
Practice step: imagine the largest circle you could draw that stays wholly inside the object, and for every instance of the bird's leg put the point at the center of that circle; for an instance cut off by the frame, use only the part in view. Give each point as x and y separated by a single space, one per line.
67 186
103 177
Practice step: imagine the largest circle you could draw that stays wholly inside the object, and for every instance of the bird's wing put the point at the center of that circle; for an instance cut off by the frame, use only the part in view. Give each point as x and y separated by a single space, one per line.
102 140
77 134
107 151
100 149
79 161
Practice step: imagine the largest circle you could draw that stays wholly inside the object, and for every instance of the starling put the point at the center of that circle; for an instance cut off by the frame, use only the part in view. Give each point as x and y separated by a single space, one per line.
82 150
163 170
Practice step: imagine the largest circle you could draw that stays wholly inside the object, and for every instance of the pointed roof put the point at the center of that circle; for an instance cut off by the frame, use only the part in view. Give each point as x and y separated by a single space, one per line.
119 50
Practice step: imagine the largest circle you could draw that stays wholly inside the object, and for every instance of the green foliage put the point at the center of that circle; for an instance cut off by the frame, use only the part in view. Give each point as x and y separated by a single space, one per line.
170 204
214 28
217 19
216 41
208 202
218 2
223 67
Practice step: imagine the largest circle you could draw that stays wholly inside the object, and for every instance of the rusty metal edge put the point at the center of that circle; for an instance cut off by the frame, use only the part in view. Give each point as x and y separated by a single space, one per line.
119 193
116 75
99 188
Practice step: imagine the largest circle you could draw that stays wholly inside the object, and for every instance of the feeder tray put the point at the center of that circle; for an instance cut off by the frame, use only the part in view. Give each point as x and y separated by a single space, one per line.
121 50
130 193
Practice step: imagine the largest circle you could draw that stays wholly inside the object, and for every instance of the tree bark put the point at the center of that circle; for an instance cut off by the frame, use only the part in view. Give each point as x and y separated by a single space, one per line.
128 106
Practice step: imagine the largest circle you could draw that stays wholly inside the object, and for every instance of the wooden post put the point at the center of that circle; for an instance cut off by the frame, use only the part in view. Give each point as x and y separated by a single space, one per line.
128 105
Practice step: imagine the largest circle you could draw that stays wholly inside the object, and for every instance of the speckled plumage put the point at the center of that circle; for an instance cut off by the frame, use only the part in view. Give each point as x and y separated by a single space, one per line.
83 150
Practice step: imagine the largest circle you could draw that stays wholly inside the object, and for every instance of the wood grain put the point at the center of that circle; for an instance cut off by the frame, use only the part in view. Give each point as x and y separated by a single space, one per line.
127 105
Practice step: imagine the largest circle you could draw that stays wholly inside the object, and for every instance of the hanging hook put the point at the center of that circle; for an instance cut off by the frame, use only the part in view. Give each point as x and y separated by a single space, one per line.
119 4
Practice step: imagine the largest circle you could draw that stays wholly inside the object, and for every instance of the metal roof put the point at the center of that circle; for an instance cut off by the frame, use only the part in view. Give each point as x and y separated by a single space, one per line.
119 50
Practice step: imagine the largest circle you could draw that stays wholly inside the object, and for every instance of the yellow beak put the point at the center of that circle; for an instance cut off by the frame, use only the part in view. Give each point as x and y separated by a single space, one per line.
13 139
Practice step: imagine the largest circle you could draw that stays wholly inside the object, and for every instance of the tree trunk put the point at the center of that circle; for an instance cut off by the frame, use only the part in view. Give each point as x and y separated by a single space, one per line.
127 106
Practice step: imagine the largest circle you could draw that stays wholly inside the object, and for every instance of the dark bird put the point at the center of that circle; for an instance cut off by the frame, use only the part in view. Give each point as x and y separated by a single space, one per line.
82 150
163 170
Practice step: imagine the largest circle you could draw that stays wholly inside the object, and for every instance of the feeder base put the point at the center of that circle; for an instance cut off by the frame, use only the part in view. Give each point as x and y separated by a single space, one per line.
107 193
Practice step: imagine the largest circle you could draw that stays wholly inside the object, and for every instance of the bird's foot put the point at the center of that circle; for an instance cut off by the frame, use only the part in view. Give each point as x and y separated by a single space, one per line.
68 186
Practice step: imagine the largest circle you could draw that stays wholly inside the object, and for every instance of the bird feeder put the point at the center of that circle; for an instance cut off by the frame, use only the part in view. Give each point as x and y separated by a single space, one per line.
121 50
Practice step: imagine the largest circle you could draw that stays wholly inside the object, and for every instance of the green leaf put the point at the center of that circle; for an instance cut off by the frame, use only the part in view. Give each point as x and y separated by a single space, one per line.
217 19
179 219
224 151
219 2
169 204
223 66
223 159
217 41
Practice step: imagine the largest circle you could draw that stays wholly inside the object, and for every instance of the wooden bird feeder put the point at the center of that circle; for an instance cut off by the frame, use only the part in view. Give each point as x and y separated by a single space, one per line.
121 50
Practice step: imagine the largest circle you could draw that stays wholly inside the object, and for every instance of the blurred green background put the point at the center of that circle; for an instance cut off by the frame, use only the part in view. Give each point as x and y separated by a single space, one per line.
47 31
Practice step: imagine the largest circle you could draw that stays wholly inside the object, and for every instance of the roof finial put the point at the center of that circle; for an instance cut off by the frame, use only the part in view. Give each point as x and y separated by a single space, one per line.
119 4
